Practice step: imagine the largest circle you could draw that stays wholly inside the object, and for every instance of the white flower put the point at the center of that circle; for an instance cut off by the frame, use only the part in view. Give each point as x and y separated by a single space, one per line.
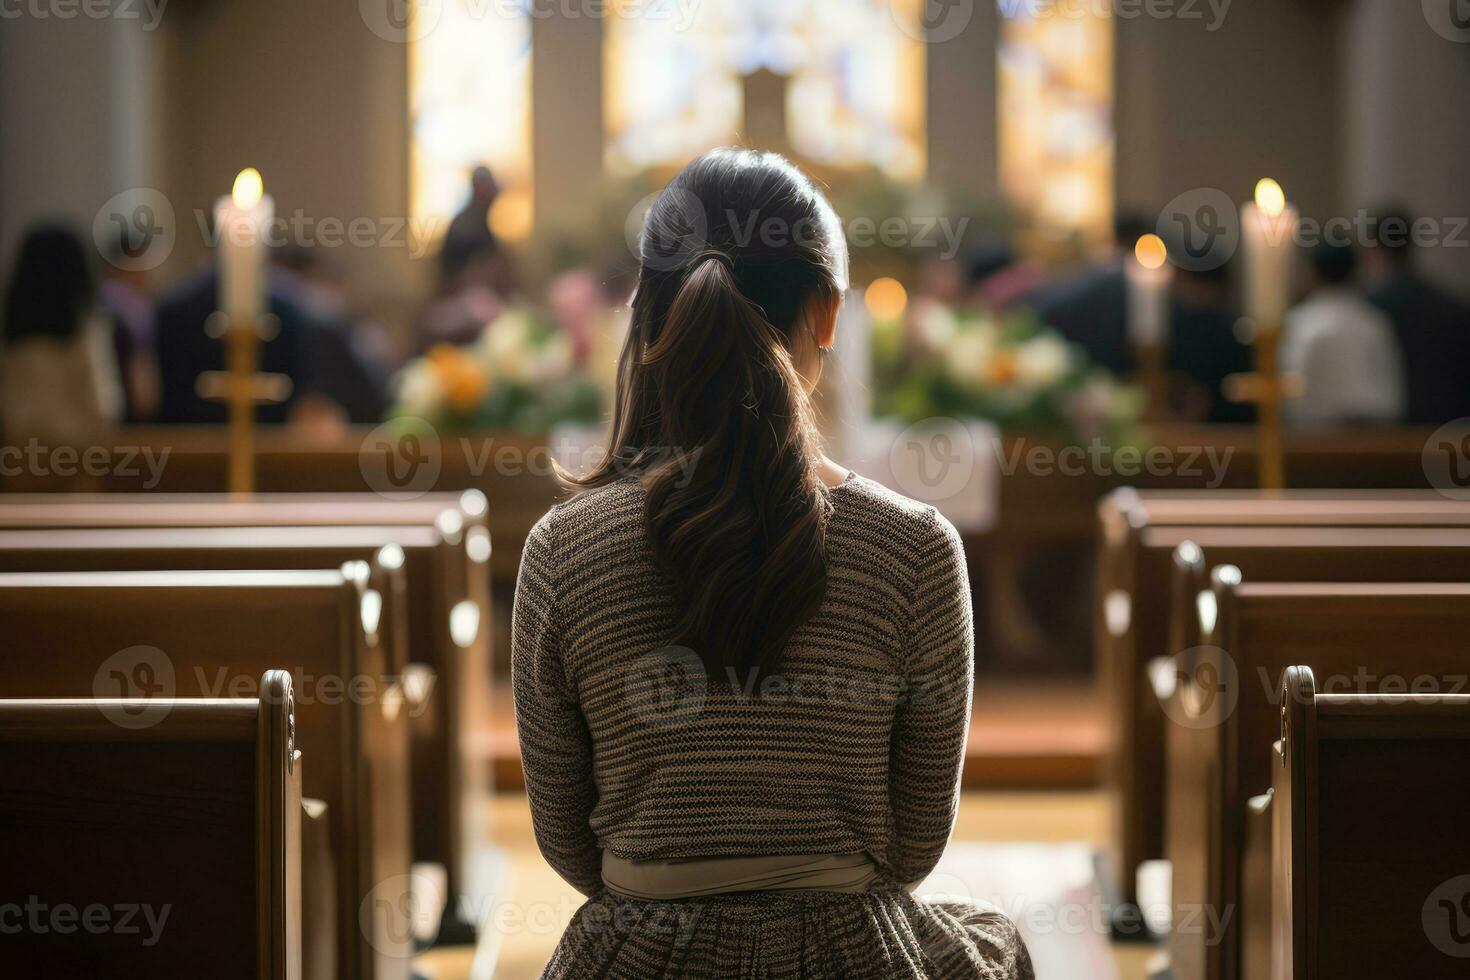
1042 361
419 391
506 347
936 325
552 361
967 358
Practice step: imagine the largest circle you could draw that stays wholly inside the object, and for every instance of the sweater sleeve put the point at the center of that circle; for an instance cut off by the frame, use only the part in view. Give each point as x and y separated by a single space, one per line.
932 720
556 747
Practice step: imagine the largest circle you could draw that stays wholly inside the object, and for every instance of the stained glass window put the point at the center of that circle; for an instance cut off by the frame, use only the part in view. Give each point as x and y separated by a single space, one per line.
853 72
1055 67
470 104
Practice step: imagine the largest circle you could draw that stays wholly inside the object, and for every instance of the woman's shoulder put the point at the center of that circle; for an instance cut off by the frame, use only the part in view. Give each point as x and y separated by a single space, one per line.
876 508
590 516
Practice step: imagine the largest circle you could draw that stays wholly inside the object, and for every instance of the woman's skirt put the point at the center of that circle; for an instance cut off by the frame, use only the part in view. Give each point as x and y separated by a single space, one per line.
813 935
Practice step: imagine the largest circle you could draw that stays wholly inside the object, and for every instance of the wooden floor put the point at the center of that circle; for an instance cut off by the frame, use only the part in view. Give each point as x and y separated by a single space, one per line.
1024 736
536 905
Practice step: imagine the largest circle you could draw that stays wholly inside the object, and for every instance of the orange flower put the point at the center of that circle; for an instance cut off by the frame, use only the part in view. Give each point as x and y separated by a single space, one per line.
463 381
1002 369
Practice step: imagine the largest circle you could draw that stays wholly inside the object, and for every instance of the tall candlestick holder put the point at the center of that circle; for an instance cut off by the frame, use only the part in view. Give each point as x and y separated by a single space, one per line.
241 387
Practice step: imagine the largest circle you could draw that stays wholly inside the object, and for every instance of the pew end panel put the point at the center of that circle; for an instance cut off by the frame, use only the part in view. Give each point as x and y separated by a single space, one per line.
155 836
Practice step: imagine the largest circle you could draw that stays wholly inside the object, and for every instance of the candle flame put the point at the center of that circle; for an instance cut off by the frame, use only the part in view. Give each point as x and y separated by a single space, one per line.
1270 198
248 189
1151 252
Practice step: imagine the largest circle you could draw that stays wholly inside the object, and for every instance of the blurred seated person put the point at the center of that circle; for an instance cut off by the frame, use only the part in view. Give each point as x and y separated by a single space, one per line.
1091 309
348 358
463 306
1204 348
996 279
59 377
1432 327
1344 349
125 295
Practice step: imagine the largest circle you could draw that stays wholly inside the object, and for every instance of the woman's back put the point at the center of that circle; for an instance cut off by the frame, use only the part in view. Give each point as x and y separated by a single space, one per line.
742 676
799 762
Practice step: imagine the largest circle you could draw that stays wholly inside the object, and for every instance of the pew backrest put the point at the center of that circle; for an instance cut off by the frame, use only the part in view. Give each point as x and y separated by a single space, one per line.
172 849
1373 862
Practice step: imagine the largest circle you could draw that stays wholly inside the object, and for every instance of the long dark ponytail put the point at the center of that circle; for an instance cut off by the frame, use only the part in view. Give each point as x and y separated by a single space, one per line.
739 253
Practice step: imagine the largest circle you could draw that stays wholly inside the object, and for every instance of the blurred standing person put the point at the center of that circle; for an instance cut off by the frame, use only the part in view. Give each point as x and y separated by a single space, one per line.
347 357
125 295
1204 349
59 376
1091 309
471 245
1432 327
1343 348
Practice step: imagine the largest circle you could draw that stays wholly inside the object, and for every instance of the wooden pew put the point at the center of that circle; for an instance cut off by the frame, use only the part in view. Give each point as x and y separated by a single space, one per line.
447 550
1131 628
207 634
167 850
1372 863
1224 713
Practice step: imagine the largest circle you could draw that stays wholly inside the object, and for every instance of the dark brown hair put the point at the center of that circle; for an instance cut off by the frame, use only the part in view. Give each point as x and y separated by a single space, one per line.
711 413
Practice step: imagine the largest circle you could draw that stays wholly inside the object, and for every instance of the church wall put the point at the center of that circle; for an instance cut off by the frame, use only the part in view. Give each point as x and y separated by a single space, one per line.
75 126
1223 108
1408 125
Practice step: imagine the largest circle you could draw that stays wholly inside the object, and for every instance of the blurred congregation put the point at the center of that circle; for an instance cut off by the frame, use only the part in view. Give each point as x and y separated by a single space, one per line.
90 344
531 211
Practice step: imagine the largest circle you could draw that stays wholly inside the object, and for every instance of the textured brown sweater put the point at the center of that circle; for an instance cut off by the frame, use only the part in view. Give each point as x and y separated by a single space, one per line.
856 746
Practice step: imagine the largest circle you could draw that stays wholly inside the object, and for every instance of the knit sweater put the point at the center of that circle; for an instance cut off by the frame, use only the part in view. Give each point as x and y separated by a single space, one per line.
855 746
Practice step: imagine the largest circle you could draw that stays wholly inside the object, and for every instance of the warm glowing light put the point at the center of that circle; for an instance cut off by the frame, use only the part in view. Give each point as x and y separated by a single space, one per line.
512 215
1151 252
1270 198
886 299
248 189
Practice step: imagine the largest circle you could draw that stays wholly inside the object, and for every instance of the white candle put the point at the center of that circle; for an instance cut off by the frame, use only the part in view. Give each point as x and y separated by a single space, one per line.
1149 276
242 221
1268 233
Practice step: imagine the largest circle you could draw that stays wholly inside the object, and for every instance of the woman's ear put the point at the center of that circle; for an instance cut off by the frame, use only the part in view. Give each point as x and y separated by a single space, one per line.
822 315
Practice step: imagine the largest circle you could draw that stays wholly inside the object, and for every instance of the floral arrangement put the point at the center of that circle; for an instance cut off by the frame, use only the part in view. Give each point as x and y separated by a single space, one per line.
1008 368
521 375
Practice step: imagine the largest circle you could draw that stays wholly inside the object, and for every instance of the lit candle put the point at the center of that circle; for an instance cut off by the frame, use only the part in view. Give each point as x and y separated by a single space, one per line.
1268 233
242 221
1149 276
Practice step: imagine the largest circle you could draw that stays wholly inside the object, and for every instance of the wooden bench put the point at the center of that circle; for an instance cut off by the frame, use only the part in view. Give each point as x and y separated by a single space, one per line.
446 550
1132 622
207 634
1224 713
171 849
1372 862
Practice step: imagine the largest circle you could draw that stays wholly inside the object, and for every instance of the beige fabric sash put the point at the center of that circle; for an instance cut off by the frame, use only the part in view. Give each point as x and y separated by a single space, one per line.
696 877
